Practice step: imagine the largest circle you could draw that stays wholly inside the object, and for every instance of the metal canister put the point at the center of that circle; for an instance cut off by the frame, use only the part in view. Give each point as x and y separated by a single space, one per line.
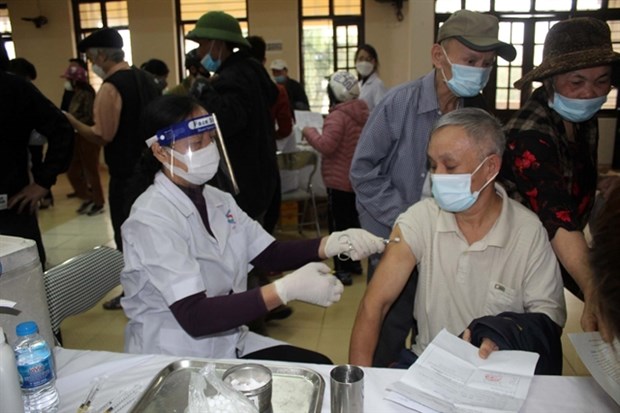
254 381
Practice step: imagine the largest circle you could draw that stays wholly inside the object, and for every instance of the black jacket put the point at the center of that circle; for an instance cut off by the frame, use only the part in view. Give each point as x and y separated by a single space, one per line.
241 94
534 332
22 109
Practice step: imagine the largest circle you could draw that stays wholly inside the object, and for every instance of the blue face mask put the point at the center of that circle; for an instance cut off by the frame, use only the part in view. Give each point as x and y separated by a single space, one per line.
280 79
208 62
576 110
453 191
467 81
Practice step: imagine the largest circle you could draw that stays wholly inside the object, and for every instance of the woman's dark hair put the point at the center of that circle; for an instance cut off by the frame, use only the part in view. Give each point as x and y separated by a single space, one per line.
333 100
258 48
160 113
605 262
371 51
156 67
79 62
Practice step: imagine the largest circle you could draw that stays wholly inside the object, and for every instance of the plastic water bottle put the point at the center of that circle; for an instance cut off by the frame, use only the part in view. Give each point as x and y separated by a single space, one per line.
35 365
11 399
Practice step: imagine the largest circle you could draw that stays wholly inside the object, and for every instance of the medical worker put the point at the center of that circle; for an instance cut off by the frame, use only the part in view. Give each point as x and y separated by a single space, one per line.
367 66
188 248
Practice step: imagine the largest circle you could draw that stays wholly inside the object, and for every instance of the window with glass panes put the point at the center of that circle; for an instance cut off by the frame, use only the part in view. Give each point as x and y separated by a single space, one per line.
6 31
524 24
91 15
331 31
189 11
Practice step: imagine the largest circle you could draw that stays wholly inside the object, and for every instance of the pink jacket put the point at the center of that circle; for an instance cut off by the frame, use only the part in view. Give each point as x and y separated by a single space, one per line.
341 131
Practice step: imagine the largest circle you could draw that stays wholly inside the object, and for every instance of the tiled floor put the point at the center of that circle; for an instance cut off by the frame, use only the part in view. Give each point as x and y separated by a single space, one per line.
66 234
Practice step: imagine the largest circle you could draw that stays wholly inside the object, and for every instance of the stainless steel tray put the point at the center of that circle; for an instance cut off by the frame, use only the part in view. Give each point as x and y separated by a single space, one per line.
295 389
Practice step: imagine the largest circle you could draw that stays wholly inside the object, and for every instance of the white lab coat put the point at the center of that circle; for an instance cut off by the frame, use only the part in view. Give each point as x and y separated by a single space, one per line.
372 90
169 255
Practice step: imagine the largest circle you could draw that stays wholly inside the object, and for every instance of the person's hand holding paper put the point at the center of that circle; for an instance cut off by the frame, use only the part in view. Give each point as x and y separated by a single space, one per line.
486 347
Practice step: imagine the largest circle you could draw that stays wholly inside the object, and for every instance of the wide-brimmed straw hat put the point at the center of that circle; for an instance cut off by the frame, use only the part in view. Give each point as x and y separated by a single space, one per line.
571 45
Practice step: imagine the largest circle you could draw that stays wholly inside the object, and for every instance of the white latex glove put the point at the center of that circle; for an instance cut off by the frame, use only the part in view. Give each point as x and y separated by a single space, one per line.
312 283
358 243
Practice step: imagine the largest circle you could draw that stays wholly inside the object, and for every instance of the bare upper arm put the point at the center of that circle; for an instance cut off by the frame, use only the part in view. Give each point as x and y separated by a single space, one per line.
107 112
392 273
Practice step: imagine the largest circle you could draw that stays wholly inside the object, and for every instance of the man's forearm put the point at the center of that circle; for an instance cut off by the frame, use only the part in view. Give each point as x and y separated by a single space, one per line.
364 337
85 131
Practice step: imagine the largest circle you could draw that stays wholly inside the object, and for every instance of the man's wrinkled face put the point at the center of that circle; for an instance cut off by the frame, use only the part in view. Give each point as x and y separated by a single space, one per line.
459 54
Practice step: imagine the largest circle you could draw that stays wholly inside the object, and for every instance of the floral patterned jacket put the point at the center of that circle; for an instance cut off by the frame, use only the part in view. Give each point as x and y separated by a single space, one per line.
554 177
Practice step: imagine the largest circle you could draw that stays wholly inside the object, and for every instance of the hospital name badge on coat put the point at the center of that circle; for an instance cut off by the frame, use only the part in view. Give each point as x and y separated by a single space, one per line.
4 202
231 219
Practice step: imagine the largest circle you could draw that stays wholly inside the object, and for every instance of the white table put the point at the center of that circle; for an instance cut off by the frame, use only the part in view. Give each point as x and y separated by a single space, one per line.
77 368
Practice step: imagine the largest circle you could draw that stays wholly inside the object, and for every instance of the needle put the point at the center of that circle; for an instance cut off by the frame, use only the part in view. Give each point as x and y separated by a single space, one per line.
89 398
395 240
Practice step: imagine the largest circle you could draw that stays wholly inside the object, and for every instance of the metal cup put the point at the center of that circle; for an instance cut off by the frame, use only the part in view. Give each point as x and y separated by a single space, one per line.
239 376
347 389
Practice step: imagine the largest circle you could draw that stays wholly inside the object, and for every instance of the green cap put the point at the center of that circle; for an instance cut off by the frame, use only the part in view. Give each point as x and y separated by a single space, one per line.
477 31
217 25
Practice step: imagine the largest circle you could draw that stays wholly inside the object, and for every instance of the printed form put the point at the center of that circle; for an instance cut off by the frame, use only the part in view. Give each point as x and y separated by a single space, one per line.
305 118
601 359
450 376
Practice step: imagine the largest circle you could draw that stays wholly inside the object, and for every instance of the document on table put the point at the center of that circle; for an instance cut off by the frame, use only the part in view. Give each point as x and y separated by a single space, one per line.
450 376
601 360
305 118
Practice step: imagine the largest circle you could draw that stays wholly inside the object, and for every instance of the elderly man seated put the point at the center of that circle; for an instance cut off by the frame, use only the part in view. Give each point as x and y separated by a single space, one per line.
486 267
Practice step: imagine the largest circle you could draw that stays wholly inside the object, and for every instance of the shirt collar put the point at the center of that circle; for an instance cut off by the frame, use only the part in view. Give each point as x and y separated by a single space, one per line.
177 196
373 76
499 234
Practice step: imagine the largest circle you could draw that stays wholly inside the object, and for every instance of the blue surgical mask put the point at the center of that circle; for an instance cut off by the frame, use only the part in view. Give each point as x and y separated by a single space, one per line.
576 110
208 62
453 191
467 81
280 79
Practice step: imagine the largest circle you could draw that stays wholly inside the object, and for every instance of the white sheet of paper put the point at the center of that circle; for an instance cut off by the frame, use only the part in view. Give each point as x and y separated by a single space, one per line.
305 118
600 359
450 376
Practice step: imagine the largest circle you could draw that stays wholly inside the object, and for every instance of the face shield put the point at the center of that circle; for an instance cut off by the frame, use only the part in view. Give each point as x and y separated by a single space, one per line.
191 127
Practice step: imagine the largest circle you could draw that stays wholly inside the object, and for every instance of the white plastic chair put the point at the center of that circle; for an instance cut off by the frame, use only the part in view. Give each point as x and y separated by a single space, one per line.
295 161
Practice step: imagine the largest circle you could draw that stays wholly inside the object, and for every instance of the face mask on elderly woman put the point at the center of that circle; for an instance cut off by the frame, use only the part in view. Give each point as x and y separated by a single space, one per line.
576 110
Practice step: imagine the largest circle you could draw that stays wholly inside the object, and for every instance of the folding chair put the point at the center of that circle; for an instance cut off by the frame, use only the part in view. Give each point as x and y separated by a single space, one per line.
295 161
79 283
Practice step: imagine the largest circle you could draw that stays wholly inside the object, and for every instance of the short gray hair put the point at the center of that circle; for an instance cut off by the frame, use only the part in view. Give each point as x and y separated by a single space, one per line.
115 55
484 129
